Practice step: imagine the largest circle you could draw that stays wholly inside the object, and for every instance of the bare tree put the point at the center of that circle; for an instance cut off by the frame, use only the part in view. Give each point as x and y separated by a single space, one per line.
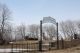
51 31
21 31
8 33
67 29
78 26
34 29
4 18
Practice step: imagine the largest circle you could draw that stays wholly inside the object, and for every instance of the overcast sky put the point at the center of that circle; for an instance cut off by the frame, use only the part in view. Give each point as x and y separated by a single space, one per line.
32 11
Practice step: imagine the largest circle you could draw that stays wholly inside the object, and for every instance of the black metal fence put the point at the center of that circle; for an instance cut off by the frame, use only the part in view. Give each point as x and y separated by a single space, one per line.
23 48
32 47
35 46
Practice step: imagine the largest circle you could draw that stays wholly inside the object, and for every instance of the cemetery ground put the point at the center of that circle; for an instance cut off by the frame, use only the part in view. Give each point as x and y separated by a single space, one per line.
34 45
68 50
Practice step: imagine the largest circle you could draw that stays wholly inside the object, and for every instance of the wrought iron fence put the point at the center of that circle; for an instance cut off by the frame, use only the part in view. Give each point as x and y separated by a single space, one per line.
34 47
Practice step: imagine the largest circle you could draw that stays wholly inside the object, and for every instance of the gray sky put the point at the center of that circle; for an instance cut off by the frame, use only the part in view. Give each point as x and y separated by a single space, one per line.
32 11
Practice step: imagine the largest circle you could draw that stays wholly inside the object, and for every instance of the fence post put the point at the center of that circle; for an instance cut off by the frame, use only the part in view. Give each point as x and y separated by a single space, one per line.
11 47
40 42
62 43
57 36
